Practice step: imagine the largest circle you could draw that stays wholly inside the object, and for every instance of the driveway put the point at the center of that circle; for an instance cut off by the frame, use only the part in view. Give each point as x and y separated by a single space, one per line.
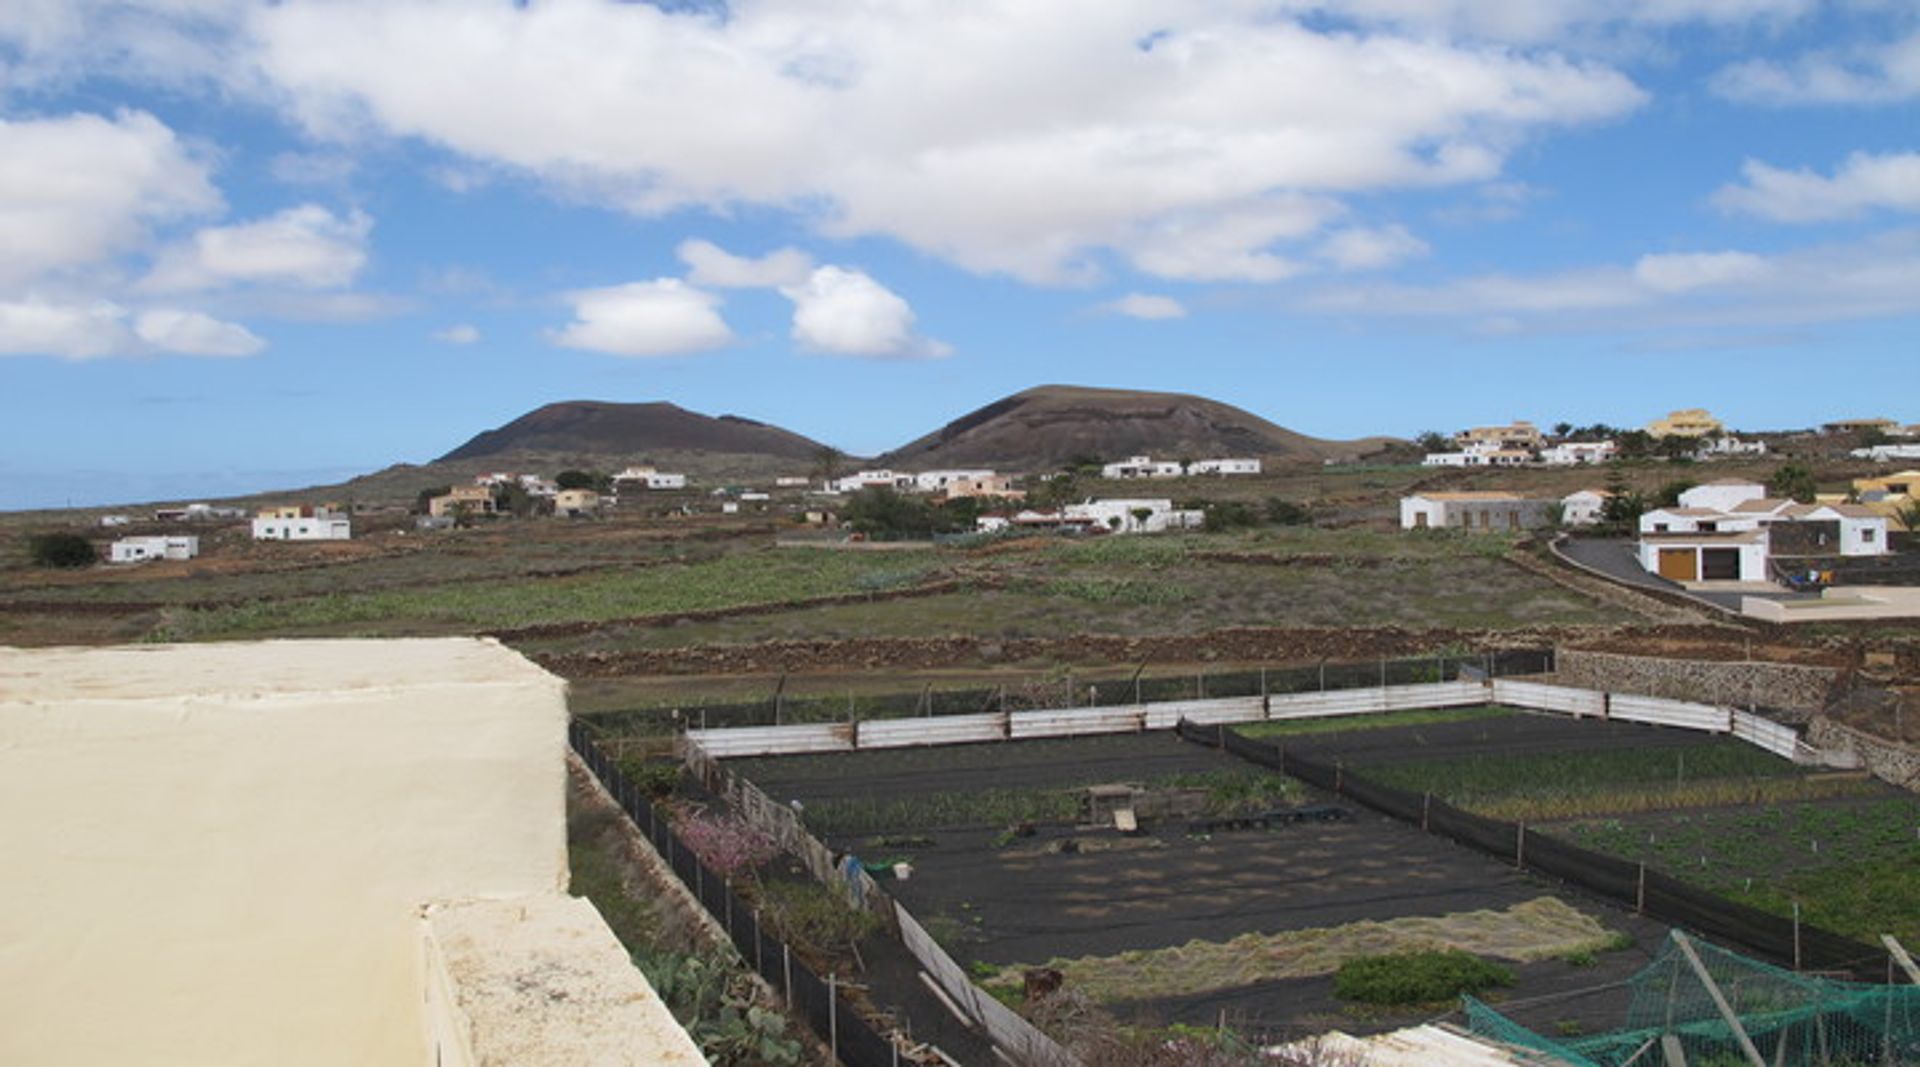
1614 559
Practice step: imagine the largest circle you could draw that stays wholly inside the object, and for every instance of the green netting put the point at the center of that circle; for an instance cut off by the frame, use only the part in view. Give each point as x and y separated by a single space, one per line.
1791 1019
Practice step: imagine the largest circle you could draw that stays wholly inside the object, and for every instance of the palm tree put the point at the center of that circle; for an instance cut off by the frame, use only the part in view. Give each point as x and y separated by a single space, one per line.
826 462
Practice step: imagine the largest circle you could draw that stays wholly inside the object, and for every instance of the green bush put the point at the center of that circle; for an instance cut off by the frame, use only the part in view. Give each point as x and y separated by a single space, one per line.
61 550
1417 977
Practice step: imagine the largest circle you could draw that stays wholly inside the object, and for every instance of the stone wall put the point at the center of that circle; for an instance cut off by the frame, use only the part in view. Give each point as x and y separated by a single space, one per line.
1890 762
1787 687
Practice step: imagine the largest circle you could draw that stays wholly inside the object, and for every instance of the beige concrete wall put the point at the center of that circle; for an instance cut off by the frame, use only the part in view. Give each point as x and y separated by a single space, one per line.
215 854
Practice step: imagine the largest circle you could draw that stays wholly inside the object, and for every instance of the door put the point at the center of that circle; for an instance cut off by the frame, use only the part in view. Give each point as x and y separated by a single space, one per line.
1677 564
1720 564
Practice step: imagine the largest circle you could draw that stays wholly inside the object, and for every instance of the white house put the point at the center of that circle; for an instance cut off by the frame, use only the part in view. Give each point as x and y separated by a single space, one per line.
1863 531
1583 507
1724 494
1487 511
1479 454
876 479
1142 467
1573 453
1689 520
1729 446
938 481
1224 466
1733 556
141 549
312 524
649 478
1133 516
791 481
1883 453
115 520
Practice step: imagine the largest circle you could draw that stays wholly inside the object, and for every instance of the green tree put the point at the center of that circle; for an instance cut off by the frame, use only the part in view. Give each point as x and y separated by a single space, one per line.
1286 513
1433 441
1793 481
827 461
422 504
881 514
1562 429
1634 444
1669 494
1624 506
61 550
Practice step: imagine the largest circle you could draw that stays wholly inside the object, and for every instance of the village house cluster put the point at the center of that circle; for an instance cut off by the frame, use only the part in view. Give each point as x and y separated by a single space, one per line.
1521 444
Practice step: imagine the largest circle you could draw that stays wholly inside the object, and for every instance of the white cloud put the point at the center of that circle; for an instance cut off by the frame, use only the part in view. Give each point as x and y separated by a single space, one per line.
1359 248
69 330
79 189
1865 182
1877 277
709 264
462 334
305 246
662 317
1565 21
313 168
91 329
1873 74
1685 272
193 333
1042 136
1148 306
847 313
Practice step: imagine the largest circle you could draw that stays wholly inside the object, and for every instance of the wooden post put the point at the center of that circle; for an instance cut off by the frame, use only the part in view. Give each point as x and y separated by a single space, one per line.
1339 777
1796 935
1640 892
1426 810
833 1015
1899 954
759 946
786 972
728 883
1727 1013
1520 844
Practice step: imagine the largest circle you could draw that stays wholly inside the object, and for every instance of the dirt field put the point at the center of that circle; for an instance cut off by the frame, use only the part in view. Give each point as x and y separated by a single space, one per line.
1027 900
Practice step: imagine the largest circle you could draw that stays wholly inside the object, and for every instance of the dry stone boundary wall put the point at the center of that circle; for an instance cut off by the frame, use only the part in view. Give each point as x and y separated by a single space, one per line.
1782 687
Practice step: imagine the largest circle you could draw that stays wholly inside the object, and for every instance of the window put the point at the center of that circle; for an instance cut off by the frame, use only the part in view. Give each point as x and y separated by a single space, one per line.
1659 527
1866 536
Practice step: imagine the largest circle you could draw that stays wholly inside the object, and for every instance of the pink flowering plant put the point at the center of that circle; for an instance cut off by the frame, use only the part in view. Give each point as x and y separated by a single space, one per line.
728 843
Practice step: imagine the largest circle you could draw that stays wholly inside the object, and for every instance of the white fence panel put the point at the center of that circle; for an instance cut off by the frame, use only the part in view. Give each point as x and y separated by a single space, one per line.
1661 712
1012 1034
1433 695
1560 698
1076 722
1167 714
934 730
1777 738
1218 710
1321 705
775 740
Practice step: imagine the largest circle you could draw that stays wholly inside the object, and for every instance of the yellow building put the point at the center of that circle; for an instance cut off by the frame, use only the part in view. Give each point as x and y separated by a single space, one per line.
1687 422
473 499
574 503
1521 435
1889 494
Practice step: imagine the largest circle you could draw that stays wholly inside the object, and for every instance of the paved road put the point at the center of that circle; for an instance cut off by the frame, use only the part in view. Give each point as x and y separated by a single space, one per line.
1614 559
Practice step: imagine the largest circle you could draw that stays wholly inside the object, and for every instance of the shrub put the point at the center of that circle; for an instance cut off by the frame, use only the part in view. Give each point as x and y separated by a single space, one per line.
813 914
1417 977
728 844
61 550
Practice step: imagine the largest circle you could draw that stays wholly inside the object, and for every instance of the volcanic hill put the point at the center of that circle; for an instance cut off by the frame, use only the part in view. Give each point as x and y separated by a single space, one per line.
1047 426
591 427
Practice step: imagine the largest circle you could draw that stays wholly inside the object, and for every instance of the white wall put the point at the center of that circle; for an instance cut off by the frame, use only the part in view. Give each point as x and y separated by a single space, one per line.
216 854
1722 497
1412 507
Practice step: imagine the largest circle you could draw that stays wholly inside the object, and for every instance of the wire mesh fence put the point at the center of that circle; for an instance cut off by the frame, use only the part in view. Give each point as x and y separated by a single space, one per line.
851 1038
1776 938
1070 689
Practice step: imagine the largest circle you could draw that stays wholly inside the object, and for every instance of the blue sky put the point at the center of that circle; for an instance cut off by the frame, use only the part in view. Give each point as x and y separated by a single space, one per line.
247 246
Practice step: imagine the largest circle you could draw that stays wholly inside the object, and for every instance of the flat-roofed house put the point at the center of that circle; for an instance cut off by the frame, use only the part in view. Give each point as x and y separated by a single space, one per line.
1483 511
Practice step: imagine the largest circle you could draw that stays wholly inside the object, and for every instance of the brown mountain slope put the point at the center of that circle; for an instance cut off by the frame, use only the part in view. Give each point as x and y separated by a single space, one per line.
596 428
1044 427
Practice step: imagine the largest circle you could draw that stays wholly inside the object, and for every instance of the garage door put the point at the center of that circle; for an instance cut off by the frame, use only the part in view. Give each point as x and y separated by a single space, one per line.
1677 564
1720 564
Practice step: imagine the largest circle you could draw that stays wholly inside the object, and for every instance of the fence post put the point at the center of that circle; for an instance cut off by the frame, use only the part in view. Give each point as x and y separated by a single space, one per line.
759 946
833 1014
1640 892
1520 844
728 885
1796 935
1426 810
1339 777
786 972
